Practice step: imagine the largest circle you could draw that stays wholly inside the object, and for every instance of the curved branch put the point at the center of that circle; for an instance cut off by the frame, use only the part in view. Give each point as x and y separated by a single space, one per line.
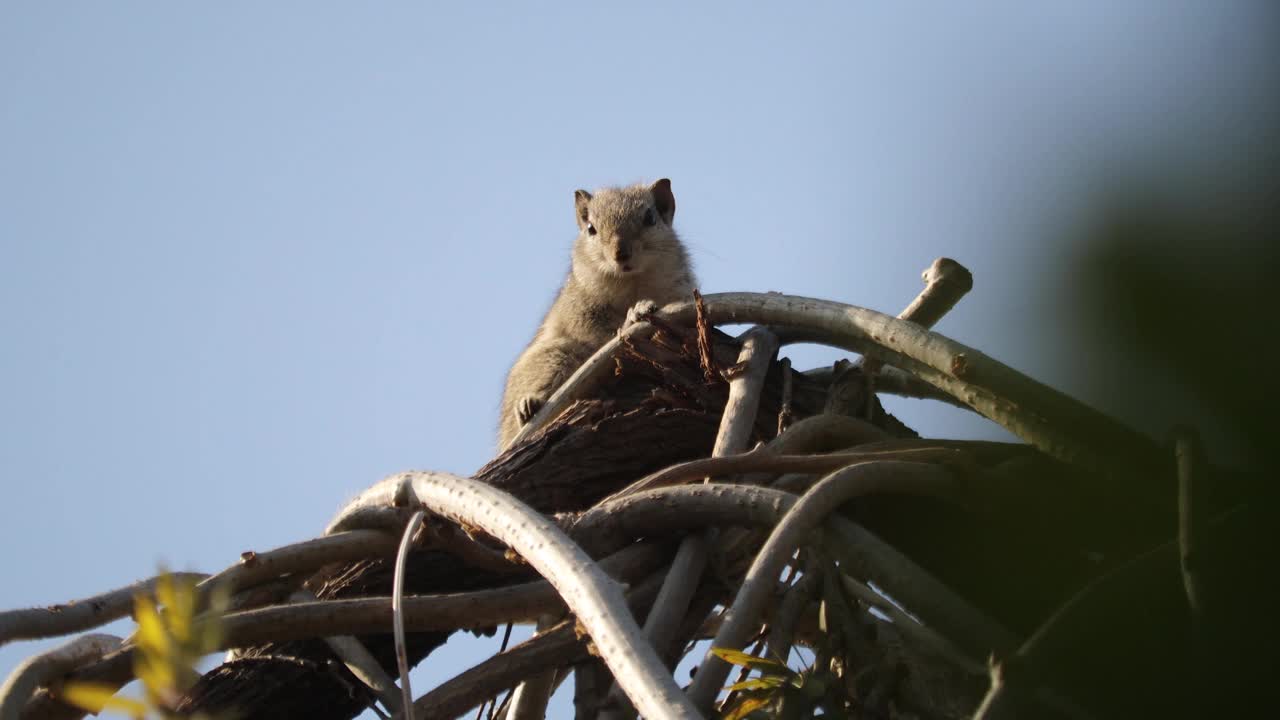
397 612
580 383
556 647
1057 424
827 433
762 459
77 615
372 615
256 568
824 498
894 381
45 667
588 592
423 613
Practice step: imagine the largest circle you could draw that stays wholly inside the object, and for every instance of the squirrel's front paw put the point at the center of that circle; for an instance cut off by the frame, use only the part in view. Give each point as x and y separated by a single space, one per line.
640 312
527 407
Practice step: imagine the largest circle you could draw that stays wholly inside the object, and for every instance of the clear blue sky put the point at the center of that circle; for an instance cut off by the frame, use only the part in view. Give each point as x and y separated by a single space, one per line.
255 256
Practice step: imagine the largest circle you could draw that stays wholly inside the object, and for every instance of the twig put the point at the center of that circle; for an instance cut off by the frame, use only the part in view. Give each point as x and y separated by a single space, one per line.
826 433
710 372
77 615
946 282
862 553
397 612
529 699
758 347
48 666
825 497
673 600
590 594
912 628
556 647
894 381
471 551
847 386
256 568
493 701
784 410
797 598
590 683
598 367
362 664
1189 453
763 459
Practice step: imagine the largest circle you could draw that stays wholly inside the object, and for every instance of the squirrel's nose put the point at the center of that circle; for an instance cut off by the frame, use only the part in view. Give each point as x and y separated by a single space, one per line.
622 254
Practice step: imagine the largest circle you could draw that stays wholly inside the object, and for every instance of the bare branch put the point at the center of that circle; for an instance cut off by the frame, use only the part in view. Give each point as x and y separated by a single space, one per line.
423 613
77 615
46 667
580 383
784 411
823 499
764 460
894 381
557 647
925 636
1059 425
1189 452
255 568
758 347
362 664
946 282
794 602
588 592
826 433
397 611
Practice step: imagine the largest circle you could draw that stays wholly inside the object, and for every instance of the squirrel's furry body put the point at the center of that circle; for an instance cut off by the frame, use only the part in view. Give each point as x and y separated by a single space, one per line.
626 252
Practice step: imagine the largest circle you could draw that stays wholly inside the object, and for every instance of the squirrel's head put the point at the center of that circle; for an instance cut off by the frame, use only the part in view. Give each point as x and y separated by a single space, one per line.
622 230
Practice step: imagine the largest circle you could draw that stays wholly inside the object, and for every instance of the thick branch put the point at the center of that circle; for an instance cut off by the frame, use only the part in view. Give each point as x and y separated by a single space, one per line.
77 615
588 592
1056 423
41 669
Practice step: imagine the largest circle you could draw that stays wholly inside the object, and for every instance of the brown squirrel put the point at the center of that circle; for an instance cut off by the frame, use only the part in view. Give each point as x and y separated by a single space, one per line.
626 252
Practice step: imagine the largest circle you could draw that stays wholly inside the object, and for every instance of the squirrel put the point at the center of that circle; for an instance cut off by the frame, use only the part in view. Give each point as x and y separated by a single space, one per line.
626 252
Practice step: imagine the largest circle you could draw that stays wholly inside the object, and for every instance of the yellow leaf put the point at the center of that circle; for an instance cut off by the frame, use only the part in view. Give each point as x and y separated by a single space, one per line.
155 673
153 638
178 597
762 683
746 707
737 657
96 697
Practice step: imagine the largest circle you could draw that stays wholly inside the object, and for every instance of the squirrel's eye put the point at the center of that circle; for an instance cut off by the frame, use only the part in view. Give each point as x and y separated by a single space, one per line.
649 218
591 229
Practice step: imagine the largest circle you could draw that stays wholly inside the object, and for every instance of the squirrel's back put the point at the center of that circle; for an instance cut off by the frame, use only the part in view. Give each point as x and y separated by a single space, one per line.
626 252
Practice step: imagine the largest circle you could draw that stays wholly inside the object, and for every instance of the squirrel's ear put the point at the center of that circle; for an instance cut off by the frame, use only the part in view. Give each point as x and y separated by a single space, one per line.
581 198
663 198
